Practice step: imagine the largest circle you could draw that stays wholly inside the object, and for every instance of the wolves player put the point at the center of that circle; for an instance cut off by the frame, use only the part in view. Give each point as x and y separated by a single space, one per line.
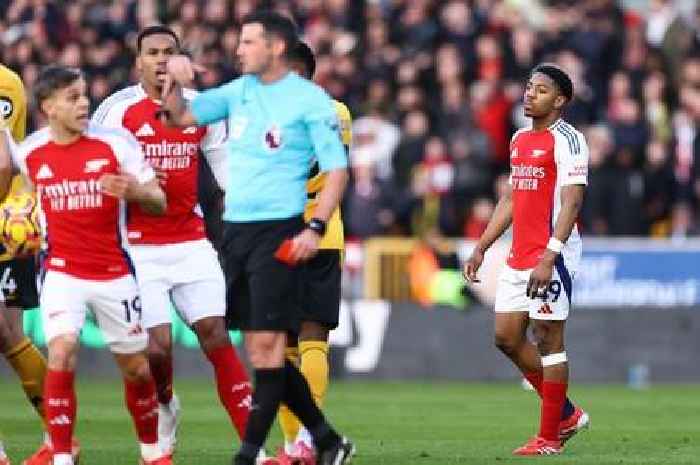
18 278
172 257
549 165
278 121
83 174
320 282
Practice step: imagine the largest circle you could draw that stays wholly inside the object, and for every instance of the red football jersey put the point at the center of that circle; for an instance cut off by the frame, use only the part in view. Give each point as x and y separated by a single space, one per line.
84 228
176 152
541 163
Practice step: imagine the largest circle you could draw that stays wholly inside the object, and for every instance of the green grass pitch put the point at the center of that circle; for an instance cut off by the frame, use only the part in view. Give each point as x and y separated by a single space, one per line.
397 424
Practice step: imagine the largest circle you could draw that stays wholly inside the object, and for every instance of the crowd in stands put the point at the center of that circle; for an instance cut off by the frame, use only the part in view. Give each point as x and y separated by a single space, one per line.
435 88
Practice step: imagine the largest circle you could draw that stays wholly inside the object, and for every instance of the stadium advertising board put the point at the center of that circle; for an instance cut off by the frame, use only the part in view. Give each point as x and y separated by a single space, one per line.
636 273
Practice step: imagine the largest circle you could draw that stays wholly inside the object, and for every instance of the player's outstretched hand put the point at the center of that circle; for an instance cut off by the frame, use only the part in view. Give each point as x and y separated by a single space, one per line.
540 278
181 70
472 265
305 245
120 186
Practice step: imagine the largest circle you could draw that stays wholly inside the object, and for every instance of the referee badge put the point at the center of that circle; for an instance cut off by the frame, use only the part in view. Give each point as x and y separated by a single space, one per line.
273 138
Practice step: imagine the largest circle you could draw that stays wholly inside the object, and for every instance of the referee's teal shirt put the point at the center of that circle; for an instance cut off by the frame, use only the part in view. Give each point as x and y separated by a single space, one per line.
276 132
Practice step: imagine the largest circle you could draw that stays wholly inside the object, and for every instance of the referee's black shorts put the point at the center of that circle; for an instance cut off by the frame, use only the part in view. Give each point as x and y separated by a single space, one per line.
320 288
18 282
262 293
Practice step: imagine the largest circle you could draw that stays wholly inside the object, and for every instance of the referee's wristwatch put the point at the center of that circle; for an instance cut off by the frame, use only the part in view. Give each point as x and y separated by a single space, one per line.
317 226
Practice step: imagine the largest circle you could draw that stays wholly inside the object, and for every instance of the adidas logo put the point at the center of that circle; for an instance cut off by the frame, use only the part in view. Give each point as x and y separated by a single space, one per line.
538 153
545 309
145 131
190 130
44 172
60 420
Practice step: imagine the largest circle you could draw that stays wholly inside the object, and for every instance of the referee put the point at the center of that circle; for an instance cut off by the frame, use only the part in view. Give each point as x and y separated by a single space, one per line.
277 122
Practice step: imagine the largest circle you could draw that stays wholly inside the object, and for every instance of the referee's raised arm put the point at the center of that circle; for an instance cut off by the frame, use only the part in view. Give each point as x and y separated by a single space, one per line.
180 72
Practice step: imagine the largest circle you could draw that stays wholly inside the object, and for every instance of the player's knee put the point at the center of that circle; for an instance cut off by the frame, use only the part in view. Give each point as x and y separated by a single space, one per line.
212 333
265 352
159 347
134 368
506 343
548 337
312 331
5 337
63 353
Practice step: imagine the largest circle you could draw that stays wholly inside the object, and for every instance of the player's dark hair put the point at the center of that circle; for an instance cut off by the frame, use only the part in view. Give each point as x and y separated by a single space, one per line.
153 30
53 78
275 24
303 54
559 76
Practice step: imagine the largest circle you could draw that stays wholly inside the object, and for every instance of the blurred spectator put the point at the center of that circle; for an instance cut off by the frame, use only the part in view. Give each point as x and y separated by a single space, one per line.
368 207
478 218
597 209
377 135
659 189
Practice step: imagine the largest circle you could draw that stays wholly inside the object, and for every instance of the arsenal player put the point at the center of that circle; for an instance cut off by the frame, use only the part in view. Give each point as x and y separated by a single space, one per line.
175 263
83 174
549 166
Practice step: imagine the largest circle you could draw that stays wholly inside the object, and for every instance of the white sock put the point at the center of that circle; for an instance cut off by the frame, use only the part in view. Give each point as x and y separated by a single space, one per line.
62 459
305 437
262 455
150 452
3 455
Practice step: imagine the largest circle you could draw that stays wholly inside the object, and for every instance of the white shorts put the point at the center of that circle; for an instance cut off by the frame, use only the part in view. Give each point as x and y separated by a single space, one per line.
65 300
511 294
188 275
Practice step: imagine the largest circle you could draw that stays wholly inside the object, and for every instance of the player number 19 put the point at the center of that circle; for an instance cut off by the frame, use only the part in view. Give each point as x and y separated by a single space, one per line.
133 306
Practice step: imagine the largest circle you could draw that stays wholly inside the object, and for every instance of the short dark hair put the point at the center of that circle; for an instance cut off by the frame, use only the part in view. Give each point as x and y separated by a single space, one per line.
53 78
153 30
276 24
559 76
303 54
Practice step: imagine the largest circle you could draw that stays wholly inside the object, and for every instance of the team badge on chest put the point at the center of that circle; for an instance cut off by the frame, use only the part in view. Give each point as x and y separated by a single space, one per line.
273 138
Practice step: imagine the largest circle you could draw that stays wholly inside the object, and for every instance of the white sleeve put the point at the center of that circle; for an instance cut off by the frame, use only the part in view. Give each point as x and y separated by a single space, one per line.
571 157
109 113
214 149
131 158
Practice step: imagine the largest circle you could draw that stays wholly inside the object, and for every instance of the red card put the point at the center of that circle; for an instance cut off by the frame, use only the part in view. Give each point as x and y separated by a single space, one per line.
284 253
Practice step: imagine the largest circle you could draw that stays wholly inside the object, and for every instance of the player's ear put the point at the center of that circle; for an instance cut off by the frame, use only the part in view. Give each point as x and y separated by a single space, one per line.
560 101
279 46
137 63
46 105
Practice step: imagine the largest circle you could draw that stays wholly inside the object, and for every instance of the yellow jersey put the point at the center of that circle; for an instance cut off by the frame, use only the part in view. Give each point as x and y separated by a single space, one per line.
13 110
334 237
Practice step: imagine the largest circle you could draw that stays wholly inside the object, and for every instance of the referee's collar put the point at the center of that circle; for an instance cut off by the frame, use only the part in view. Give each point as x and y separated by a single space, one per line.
273 83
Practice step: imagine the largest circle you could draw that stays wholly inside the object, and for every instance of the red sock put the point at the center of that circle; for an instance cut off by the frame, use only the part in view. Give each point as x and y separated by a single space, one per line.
233 384
61 406
553 398
143 407
162 372
535 378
